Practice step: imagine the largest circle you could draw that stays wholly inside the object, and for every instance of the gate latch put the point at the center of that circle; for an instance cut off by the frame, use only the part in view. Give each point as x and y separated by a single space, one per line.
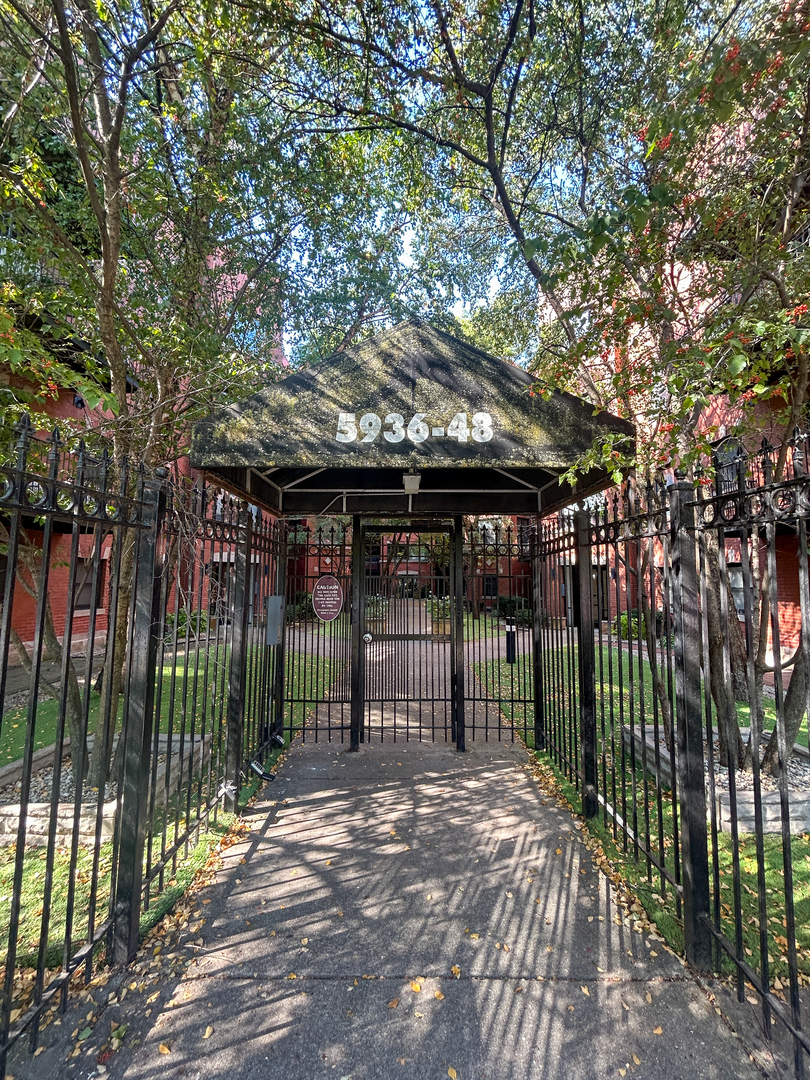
367 638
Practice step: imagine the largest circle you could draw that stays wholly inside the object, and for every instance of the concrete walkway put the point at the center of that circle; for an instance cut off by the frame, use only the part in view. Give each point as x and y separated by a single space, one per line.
409 911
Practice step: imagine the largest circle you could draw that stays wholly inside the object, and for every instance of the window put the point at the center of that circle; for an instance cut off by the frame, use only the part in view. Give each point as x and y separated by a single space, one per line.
737 585
727 457
83 588
490 585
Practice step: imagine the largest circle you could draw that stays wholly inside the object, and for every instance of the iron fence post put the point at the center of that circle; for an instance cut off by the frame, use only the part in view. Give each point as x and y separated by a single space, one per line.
587 666
689 717
234 750
457 564
137 725
277 727
537 643
358 645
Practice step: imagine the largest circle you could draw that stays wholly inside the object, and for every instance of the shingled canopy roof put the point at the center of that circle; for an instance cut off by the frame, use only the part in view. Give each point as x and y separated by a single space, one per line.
411 421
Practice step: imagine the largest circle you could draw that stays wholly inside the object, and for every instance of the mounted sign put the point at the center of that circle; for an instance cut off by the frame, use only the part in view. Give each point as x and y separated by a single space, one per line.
327 598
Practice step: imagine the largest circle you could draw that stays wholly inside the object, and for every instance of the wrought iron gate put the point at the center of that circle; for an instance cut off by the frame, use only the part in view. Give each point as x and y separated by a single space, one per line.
434 640
410 658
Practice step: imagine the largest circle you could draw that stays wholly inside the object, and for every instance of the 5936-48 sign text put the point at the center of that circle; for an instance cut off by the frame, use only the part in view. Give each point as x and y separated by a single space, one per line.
370 425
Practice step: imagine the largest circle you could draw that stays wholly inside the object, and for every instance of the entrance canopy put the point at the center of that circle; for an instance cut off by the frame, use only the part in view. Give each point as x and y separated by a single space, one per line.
411 421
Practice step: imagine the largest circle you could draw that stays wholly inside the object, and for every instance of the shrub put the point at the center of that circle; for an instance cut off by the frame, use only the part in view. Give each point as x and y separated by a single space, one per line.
187 624
376 607
518 609
439 607
627 627
301 608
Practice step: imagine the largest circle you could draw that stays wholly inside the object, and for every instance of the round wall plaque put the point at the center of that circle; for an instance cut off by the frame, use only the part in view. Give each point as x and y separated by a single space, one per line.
327 598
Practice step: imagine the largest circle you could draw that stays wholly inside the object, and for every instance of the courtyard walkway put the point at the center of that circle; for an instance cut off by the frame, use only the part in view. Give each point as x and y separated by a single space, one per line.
406 911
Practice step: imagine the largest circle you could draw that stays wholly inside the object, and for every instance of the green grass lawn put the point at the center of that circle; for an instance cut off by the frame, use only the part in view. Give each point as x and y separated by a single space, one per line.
311 676
175 702
178 706
636 698
662 908
511 685
179 874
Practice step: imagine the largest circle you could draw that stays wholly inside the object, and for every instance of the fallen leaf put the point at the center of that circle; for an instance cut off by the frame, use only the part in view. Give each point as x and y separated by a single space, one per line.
328 862
497 944
636 1059
585 991
622 1072
416 987
648 995
455 970
209 1031
153 997
304 940
451 1072
625 1006
658 1030
292 975
438 995
401 1061
506 948
509 895
653 952
518 989
164 1049
392 1004
559 851
418 1015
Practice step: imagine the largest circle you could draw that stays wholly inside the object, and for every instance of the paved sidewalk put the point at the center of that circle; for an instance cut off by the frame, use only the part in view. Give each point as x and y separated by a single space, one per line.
368 875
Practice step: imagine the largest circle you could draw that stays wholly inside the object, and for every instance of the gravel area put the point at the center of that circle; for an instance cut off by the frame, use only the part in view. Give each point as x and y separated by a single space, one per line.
41 786
798 775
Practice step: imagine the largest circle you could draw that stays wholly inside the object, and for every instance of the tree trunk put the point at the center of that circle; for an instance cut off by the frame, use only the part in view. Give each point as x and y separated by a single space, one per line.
794 706
102 762
648 615
731 744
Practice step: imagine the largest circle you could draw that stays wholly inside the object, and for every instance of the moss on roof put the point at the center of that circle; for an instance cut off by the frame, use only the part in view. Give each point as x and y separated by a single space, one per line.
410 368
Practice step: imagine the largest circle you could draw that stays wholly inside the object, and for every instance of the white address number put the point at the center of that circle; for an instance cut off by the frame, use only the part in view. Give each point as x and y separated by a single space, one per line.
417 430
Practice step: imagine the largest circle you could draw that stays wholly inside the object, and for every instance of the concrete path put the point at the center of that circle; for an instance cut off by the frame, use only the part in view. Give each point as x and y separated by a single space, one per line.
409 911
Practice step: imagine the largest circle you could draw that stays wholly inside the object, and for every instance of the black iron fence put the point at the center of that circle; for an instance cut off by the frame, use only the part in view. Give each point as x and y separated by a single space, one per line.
157 640
673 666
140 673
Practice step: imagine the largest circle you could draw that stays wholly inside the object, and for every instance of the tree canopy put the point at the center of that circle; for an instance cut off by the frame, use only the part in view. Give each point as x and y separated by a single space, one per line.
615 195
